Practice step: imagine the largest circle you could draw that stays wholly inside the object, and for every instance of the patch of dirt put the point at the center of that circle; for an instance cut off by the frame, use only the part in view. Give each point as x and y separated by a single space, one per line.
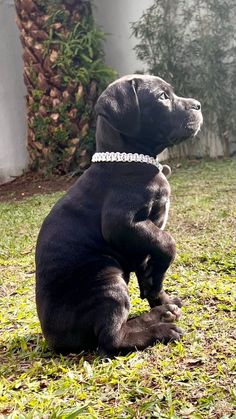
31 184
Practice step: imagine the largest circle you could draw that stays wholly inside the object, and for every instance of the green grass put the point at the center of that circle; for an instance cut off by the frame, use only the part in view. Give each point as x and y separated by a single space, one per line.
194 378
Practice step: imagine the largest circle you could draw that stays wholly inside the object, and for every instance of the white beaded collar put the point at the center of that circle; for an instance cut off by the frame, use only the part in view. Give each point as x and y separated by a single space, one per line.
126 157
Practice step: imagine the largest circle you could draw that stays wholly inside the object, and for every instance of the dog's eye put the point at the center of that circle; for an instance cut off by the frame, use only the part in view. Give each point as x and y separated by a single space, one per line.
163 96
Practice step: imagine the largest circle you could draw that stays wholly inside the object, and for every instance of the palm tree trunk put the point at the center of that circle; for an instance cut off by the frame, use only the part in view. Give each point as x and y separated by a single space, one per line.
61 90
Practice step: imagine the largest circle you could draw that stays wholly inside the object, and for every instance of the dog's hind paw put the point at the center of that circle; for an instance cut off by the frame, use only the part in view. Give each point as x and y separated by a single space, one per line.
166 332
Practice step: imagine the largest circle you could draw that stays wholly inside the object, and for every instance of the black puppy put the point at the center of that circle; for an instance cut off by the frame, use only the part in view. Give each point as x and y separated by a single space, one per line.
111 223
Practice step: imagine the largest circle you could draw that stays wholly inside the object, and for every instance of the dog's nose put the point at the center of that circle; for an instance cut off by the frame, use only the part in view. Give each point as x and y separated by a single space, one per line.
196 105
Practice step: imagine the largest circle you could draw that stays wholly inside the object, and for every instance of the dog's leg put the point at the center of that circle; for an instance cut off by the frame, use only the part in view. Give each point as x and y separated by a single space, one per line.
150 284
142 240
150 278
115 333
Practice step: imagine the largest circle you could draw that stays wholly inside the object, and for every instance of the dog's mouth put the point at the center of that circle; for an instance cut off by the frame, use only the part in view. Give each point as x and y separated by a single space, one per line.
188 129
194 126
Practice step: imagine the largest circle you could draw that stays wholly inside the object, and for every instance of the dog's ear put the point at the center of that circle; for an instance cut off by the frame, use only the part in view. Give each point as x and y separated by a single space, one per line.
119 105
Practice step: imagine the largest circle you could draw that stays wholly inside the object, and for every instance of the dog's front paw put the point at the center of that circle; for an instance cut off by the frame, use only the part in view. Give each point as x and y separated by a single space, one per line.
162 298
166 313
177 301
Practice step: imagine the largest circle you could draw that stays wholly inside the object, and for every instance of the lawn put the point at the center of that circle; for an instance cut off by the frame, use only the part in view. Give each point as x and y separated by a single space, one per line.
194 378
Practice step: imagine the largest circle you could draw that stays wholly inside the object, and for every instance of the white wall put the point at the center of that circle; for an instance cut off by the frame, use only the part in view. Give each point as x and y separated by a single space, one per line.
115 16
13 152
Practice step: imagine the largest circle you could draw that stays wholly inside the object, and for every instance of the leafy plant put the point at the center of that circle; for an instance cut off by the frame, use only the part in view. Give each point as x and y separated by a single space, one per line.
79 52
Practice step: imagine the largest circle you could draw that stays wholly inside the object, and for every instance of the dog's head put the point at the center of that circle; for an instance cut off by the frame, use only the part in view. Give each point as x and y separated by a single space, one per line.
148 114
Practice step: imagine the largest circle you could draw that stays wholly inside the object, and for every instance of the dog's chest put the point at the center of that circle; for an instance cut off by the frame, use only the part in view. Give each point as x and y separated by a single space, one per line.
159 205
